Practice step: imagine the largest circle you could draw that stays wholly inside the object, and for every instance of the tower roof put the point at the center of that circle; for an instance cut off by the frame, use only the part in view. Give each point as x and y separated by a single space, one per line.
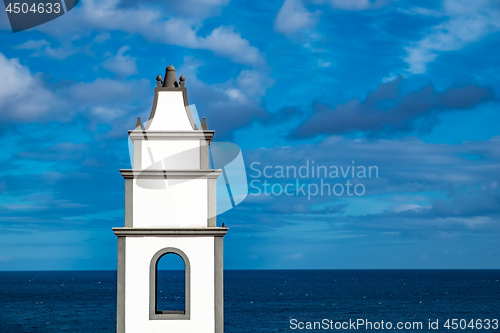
171 111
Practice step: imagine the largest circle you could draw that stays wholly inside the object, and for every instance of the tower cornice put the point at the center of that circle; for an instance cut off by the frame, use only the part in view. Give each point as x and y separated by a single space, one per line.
171 135
188 231
170 174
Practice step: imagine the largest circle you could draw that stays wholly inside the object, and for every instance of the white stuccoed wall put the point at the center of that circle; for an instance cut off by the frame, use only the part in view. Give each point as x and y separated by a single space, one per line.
180 203
139 251
181 154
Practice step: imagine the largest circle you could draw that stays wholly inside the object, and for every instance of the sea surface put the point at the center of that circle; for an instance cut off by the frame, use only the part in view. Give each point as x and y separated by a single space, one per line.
266 300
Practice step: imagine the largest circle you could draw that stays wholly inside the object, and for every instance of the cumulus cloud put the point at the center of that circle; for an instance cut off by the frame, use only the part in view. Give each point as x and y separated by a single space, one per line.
253 83
388 110
156 26
465 22
228 43
23 96
99 97
121 64
292 17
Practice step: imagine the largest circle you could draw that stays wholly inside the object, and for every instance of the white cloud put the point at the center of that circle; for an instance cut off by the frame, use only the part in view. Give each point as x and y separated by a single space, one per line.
293 16
236 95
104 113
249 87
468 21
406 207
421 11
224 41
43 48
61 52
121 64
103 37
389 78
107 99
33 45
357 4
152 25
23 96
322 63
253 82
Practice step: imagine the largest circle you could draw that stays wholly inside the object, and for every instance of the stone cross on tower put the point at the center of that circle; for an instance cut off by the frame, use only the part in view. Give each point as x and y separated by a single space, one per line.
170 209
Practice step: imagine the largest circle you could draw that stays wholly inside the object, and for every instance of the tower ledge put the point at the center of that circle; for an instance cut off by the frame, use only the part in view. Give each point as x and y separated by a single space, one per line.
160 231
170 174
171 135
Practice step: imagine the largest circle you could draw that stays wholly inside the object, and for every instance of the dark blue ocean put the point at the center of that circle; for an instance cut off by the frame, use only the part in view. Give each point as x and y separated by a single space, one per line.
265 300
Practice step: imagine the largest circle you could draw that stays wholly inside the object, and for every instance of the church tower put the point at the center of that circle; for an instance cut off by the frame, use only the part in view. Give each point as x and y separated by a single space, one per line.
170 209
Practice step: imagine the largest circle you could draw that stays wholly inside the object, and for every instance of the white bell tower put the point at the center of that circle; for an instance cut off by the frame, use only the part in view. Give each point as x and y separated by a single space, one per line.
170 208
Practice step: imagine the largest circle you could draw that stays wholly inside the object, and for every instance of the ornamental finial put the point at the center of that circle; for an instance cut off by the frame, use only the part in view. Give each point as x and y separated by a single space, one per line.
170 78
138 124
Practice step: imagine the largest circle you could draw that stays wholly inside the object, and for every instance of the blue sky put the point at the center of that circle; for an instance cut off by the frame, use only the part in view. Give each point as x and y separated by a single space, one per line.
408 86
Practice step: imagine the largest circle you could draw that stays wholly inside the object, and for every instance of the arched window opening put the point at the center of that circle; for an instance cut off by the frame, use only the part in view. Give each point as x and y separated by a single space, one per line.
171 283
